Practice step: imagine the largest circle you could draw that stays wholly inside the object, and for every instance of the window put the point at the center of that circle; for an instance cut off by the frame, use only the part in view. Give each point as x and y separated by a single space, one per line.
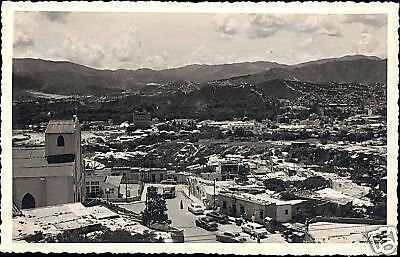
286 212
60 140
224 204
95 187
261 214
111 191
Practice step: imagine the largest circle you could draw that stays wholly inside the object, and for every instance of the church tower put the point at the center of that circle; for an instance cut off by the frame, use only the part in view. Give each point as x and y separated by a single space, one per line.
63 145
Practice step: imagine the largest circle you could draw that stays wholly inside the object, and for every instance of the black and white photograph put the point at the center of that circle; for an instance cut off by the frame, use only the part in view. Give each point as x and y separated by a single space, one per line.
246 127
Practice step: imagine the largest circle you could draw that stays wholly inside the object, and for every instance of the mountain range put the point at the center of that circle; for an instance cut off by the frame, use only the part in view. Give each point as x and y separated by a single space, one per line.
67 78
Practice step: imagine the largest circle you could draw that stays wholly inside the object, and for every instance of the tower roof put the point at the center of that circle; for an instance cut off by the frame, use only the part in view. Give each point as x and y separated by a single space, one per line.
60 127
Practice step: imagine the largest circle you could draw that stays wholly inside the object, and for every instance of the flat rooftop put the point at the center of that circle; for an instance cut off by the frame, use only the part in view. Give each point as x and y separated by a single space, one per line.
328 232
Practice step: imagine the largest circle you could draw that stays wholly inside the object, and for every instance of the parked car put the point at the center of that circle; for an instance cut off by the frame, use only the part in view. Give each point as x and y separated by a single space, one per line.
254 229
239 221
168 182
207 223
230 237
218 217
196 208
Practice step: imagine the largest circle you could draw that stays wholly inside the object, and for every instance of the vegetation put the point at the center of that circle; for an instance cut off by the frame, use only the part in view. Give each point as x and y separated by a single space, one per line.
314 183
156 208
275 184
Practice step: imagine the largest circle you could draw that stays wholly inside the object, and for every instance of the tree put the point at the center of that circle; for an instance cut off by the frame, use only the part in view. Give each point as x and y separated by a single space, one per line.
202 160
314 183
242 174
275 184
156 208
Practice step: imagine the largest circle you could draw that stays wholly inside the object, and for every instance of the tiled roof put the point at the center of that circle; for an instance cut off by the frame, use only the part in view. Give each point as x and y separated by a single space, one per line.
60 126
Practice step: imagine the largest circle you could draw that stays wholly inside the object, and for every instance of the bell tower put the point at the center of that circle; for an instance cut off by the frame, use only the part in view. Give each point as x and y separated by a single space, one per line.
63 145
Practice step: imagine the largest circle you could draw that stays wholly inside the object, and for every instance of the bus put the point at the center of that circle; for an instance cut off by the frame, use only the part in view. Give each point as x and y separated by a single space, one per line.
168 192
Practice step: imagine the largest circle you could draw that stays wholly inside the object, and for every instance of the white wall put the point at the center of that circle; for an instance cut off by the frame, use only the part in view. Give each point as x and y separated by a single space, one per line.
281 215
46 191
52 148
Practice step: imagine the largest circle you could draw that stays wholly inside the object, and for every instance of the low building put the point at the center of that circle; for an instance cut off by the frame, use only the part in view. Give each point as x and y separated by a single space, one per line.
211 176
329 232
258 207
101 184
134 175
328 202
142 120
230 169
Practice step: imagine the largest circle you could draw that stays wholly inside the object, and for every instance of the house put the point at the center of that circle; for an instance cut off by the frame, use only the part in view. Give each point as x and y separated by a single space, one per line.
101 184
52 174
258 207
142 120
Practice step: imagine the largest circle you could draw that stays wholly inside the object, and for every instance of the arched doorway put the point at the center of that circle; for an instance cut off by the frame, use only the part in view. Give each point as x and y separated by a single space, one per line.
28 201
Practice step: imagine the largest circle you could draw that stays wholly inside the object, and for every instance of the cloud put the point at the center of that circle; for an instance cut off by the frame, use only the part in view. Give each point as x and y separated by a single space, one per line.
56 16
317 24
225 25
22 40
157 61
373 20
265 25
24 31
127 48
79 52
368 44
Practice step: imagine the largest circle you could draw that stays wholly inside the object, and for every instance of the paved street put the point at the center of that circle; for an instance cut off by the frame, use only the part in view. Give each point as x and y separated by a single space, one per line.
182 218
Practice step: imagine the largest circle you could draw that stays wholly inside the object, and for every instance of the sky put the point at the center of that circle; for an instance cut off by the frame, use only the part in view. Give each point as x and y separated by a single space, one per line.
167 40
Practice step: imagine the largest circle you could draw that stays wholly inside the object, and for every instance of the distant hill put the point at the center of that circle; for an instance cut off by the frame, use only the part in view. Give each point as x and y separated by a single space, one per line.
204 72
67 78
346 70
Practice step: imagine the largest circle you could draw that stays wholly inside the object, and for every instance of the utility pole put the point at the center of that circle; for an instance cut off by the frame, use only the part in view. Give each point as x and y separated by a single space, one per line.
126 190
214 194
189 179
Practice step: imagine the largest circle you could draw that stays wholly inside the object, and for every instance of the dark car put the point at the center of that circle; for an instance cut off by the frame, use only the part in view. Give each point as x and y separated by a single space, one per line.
218 217
230 237
207 223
